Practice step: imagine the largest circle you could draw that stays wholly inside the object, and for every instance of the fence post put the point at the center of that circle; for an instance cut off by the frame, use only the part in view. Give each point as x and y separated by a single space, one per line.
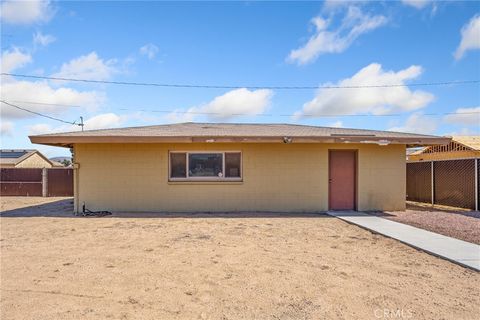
432 195
476 184
44 182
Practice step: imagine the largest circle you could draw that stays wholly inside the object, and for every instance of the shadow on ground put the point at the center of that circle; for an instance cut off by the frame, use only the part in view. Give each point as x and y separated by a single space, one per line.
426 210
61 209
464 212
64 209
219 215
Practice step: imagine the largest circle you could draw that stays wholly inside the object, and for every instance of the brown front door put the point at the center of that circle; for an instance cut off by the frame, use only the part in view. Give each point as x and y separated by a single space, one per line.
342 179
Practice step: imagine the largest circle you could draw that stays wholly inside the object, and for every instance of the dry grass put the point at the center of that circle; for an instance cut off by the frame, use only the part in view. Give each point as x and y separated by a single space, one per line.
219 267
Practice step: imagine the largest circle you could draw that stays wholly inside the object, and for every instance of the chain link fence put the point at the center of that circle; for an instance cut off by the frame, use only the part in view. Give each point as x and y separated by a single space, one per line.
452 183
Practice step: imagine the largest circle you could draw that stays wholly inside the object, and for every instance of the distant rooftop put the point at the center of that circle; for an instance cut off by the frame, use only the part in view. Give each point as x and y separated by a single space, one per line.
9 154
457 144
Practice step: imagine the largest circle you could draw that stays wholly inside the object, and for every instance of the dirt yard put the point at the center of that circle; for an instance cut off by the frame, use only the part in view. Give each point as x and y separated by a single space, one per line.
54 266
460 224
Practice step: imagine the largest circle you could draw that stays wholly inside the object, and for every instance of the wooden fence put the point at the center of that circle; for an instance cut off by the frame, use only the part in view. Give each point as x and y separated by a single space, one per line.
51 182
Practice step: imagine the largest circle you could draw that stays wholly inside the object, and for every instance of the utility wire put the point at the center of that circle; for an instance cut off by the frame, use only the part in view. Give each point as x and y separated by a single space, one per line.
173 85
291 115
245 114
40 114
47 104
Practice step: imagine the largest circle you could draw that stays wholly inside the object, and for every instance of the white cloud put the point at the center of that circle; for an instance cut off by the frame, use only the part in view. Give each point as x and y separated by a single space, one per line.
104 121
89 67
382 100
336 124
332 5
40 128
42 39
101 121
470 37
462 132
353 25
179 115
417 123
417 4
6 128
464 116
49 97
14 59
235 103
150 50
26 12
42 92
238 102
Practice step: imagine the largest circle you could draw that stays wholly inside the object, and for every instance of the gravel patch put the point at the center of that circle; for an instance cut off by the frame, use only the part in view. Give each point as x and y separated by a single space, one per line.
459 224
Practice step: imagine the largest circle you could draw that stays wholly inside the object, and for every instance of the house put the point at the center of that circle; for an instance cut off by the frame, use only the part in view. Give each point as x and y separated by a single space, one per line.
24 159
63 161
198 167
461 147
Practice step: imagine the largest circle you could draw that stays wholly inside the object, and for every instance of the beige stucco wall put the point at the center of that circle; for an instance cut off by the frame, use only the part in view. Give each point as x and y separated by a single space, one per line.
276 177
34 161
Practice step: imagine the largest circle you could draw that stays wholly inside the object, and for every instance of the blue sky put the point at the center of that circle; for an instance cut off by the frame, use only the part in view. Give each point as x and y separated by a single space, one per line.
240 44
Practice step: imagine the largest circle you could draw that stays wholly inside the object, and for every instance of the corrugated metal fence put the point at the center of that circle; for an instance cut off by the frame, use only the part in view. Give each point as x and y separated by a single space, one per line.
445 182
51 182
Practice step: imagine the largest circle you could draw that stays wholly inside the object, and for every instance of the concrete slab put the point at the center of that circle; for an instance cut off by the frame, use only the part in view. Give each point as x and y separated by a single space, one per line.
461 252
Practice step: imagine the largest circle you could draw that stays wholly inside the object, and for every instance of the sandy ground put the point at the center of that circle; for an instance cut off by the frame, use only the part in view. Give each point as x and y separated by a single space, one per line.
219 267
460 224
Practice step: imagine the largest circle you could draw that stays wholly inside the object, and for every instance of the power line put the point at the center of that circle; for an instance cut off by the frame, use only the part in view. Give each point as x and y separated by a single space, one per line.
248 114
48 104
302 115
41 114
173 85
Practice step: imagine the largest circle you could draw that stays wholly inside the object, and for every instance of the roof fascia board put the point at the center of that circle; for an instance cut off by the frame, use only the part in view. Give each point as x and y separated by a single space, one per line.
68 140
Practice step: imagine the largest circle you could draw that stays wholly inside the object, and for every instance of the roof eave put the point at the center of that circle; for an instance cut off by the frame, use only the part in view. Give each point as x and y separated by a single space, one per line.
67 141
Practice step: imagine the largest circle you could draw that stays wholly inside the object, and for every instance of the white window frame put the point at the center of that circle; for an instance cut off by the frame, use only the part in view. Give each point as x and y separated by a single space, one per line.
188 178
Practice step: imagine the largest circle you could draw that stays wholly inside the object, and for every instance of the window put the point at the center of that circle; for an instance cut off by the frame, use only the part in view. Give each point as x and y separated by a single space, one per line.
205 166
232 164
178 165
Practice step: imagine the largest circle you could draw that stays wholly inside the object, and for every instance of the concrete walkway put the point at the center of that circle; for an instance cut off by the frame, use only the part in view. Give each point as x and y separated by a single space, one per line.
461 252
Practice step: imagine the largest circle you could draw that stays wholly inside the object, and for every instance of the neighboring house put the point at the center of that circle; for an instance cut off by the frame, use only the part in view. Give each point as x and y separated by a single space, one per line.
24 159
199 167
446 175
57 164
62 161
461 147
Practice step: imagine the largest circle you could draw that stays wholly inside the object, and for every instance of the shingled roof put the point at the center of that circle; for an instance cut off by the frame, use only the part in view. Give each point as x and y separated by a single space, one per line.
235 132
